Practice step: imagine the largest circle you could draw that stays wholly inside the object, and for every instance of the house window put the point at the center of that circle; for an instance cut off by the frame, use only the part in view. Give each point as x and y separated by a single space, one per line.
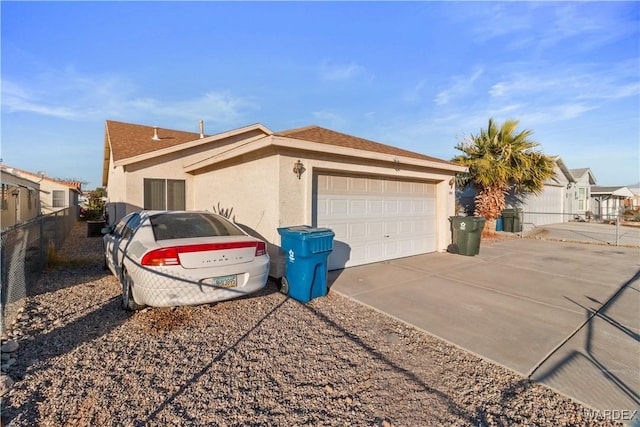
582 199
164 194
58 199
29 204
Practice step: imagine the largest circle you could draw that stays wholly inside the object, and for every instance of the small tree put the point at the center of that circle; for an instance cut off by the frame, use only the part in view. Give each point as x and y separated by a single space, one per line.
500 158
96 204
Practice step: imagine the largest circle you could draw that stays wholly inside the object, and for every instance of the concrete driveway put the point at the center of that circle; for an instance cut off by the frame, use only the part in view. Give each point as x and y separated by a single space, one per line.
564 314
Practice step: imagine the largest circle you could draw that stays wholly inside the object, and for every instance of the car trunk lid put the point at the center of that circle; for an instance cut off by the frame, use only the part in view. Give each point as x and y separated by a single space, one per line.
218 252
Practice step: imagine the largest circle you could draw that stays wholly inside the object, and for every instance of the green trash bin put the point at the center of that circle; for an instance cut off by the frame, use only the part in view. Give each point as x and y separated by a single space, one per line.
511 220
467 232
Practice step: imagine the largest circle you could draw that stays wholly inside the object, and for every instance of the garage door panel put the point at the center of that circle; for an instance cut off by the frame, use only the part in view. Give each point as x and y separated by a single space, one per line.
392 228
406 187
358 185
392 249
375 229
338 183
406 227
337 207
322 208
375 219
341 230
358 230
405 207
358 207
375 207
375 251
390 207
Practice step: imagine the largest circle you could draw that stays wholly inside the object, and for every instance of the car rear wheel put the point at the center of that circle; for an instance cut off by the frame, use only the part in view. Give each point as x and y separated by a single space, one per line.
128 303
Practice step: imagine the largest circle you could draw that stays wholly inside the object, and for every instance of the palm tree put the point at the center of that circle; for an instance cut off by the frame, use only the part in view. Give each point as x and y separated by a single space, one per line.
501 158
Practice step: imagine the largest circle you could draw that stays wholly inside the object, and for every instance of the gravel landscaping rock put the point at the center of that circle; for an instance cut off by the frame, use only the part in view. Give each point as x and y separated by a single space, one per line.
261 360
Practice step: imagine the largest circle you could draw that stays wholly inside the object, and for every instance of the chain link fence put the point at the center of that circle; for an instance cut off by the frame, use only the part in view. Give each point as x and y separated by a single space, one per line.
616 229
23 258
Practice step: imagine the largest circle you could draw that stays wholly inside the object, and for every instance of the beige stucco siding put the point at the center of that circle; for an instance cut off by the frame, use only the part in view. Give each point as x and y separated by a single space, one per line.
250 188
21 205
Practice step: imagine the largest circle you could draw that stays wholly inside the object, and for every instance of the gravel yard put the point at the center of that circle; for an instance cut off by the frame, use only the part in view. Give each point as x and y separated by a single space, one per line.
262 360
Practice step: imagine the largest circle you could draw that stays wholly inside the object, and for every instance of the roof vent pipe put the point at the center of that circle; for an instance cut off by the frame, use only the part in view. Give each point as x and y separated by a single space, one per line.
201 129
155 134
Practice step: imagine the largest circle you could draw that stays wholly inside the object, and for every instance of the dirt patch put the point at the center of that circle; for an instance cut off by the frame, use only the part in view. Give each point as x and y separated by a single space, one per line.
161 320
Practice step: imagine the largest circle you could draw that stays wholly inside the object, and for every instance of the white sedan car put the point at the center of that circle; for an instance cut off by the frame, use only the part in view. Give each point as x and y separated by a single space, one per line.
172 258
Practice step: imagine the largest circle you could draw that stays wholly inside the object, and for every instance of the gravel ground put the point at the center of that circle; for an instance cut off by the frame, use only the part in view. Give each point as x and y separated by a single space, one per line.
261 360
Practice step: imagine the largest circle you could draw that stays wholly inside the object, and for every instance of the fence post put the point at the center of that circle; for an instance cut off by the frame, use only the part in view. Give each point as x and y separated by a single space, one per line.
43 248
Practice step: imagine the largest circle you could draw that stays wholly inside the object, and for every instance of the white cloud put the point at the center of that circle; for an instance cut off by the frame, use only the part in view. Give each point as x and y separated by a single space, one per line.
16 99
461 86
556 113
341 72
563 94
73 96
540 25
414 93
329 119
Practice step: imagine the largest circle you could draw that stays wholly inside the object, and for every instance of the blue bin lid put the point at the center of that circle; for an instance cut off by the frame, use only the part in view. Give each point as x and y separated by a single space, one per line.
305 231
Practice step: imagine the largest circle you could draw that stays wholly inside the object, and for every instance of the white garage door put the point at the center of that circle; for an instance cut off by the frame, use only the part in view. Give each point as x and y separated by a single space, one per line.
546 208
375 219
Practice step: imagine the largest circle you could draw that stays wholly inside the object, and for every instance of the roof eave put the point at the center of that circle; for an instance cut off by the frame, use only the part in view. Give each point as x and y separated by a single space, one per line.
297 144
191 144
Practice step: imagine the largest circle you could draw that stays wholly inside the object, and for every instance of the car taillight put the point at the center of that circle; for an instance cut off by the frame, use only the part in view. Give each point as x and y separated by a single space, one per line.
160 257
261 249
170 256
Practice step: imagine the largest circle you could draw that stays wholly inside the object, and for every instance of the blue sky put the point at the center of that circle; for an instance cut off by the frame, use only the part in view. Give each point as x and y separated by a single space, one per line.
417 75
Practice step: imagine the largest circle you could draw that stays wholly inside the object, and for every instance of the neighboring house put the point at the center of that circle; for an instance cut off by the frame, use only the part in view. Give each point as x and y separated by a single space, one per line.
562 199
382 202
19 200
584 181
556 203
610 202
635 202
57 194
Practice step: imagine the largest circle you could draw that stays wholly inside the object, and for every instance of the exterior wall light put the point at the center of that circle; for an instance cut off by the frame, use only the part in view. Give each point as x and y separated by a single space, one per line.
298 168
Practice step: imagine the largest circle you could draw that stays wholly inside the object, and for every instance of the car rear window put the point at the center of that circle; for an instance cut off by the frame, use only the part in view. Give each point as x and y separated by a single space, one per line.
191 224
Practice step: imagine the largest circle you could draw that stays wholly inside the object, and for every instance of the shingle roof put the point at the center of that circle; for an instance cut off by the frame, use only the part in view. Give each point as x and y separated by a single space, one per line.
327 136
76 185
130 140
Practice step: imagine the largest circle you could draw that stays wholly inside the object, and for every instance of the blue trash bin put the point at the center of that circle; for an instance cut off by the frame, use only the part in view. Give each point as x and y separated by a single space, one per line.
306 249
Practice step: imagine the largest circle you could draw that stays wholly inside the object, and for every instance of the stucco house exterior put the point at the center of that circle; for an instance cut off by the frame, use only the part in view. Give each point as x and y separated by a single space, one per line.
382 202
55 194
20 198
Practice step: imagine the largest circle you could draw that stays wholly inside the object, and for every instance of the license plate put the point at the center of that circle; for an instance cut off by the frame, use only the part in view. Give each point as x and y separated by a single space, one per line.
224 282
